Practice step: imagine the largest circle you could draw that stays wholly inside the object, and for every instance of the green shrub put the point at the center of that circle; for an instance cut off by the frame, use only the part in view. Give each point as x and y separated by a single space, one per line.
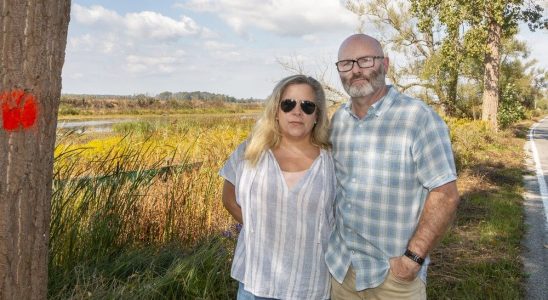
467 138
510 108
68 111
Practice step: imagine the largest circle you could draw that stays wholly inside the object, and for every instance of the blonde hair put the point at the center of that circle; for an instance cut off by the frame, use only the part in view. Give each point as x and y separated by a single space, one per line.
266 133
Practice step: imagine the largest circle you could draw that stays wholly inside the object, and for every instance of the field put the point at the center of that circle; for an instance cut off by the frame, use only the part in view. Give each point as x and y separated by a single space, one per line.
136 214
139 214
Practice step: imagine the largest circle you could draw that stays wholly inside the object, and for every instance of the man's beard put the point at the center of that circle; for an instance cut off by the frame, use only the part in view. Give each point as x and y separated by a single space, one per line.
373 83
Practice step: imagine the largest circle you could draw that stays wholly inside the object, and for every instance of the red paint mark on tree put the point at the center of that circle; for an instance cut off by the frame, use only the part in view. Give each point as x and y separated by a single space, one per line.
19 109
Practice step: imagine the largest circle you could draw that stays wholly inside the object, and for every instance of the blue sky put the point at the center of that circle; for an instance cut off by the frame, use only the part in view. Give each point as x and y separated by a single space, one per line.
231 47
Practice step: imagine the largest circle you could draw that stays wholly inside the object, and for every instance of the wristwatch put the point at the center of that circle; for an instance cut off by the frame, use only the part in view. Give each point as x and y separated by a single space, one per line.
414 257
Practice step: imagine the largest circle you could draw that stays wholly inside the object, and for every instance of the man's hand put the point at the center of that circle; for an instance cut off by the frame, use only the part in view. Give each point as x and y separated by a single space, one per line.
404 268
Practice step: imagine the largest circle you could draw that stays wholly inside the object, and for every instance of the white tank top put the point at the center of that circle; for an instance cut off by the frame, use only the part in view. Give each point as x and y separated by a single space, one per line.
291 178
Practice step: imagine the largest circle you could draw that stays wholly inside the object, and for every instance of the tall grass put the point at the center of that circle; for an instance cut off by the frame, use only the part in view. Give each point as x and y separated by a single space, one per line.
140 215
479 257
137 215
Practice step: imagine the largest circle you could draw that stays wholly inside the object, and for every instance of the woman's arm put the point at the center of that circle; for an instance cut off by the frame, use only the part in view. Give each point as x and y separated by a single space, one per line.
229 201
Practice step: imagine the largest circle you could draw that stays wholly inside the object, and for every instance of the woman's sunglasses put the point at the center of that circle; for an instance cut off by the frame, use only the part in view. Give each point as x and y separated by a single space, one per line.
308 107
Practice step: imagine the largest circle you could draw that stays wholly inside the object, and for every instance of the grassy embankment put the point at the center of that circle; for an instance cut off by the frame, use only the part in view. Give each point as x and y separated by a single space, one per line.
479 257
124 227
89 107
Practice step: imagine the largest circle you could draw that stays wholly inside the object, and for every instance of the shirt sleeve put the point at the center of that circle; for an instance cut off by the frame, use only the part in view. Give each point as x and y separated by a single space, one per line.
432 152
231 169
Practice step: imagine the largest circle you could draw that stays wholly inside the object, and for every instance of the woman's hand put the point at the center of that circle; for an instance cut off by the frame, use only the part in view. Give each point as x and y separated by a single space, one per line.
229 201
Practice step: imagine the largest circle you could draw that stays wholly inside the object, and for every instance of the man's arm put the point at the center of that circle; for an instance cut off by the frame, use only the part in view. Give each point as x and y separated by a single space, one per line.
229 201
439 210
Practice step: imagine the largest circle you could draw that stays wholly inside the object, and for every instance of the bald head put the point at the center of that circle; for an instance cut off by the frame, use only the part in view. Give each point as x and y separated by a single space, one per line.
360 43
364 68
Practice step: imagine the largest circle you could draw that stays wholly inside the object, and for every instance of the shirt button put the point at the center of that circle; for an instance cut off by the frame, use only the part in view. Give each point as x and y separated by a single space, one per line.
353 179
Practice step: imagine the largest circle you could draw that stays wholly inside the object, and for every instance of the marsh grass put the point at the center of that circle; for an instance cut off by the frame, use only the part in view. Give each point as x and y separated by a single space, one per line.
137 215
157 272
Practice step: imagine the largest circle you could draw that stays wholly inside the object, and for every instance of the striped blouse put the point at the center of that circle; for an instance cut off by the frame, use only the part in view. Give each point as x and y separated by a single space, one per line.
280 250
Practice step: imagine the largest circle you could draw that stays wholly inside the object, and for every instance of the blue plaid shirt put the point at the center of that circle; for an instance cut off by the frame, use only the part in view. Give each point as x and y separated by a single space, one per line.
386 163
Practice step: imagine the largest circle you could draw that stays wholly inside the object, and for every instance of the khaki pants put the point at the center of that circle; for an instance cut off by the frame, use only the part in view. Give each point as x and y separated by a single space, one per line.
391 289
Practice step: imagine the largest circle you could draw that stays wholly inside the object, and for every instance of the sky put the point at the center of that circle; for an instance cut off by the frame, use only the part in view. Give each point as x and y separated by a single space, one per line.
232 47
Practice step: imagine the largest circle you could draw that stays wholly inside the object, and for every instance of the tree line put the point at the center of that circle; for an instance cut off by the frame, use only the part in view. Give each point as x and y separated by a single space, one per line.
166 95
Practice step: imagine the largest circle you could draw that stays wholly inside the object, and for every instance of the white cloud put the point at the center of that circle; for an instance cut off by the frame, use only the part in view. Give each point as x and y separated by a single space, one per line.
282 17
94 14
224 51
82 42
313 38
158 64
146 41
218 46
207 33
139 25
156 26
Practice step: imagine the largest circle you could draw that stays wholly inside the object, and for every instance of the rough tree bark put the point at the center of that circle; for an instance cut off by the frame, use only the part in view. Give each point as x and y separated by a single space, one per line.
32 45
492 75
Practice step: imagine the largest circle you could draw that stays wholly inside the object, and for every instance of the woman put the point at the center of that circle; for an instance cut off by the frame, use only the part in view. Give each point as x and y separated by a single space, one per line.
280 185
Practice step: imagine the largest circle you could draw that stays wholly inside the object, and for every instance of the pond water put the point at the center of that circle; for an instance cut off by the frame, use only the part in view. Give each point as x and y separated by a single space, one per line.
105 125
90 125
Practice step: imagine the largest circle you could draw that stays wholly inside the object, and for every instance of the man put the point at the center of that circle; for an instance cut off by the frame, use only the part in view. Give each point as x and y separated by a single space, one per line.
397 193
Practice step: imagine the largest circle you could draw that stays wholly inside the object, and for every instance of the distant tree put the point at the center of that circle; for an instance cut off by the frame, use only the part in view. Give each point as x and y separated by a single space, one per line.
521 84
32 43
517 70
165 95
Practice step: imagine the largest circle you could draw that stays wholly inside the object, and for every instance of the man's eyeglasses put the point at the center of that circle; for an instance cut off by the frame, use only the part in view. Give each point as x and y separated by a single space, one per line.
363 62
308 107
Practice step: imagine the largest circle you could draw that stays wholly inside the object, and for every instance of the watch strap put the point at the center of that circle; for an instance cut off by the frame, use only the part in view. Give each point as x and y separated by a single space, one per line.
414 257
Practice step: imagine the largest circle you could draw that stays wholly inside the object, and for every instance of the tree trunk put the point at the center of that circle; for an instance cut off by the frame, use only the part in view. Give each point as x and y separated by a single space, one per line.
450 107
491 75
32 45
